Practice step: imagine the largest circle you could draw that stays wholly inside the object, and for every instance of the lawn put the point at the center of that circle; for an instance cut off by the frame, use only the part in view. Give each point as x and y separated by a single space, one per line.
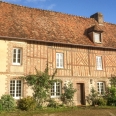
85 111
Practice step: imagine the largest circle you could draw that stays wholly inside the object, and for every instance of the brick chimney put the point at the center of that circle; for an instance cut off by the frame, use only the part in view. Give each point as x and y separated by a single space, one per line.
98 17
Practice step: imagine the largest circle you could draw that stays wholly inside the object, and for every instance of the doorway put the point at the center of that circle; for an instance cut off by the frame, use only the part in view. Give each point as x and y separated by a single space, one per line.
80 94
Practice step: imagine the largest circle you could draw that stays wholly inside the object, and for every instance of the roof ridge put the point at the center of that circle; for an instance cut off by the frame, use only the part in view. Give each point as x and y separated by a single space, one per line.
43 9
110 23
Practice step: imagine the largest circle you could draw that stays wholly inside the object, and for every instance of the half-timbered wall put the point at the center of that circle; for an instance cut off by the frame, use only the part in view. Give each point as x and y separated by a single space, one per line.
79 63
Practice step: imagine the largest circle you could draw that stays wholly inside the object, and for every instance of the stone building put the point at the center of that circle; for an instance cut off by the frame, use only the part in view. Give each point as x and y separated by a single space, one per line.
83 50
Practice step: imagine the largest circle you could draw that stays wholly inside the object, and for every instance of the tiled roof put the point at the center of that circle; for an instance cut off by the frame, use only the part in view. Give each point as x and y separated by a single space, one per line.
36 24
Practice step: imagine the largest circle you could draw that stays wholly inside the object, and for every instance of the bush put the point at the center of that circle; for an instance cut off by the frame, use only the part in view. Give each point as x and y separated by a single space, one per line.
111 96
7 103
53 103
93 98
27 103
102 102
67 96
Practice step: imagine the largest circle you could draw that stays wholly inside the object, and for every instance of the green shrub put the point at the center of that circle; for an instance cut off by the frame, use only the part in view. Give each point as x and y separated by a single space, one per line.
67 96
93 97
111 96
27 103
7 103
0 105
102 102
52 103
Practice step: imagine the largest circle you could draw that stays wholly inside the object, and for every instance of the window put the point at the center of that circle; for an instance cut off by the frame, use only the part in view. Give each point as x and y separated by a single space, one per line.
100 88
56 89
97 37
59 60
16 56
15 88
99 62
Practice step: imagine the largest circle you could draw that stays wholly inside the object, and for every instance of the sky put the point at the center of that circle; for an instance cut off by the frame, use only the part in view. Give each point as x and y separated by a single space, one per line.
84 8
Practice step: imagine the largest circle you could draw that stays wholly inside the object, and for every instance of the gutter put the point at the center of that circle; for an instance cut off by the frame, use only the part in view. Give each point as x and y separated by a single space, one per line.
17 38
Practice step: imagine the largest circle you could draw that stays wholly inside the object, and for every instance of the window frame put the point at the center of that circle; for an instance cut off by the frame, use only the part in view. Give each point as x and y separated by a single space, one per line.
99 89
54 89
16 57
98 35
58 60
99 63
14 89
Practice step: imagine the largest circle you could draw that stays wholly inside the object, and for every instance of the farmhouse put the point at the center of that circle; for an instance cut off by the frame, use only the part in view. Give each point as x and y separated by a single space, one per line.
83 50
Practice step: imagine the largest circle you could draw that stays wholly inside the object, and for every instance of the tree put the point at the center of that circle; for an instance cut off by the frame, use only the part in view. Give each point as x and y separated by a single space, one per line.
41 85
67 96
113 81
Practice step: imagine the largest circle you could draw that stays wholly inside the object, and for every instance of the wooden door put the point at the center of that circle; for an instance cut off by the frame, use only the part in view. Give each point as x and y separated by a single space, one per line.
80 94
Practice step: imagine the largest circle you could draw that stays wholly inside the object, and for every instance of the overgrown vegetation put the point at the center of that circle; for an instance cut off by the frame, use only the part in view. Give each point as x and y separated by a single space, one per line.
111 92
41 85
109 98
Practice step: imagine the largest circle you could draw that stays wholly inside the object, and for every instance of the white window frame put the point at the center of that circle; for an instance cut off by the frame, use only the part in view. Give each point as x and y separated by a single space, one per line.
59 60
99 64
13 89
16 56
101 88
55 90
97 37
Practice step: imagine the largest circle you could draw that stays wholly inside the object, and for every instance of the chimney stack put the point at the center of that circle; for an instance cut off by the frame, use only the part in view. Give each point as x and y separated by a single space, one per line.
98 17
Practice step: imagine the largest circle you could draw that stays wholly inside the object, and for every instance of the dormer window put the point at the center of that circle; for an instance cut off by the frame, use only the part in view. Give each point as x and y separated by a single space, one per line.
95 34
97 37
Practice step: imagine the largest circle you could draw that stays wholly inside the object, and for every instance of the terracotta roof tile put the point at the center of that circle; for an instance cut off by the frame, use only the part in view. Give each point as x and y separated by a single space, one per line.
36 24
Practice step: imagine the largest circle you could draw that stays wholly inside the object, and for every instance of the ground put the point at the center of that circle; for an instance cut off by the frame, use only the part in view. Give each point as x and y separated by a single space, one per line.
71 112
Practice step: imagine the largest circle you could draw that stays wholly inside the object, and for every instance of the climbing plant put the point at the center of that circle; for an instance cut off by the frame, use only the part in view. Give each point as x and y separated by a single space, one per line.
41 85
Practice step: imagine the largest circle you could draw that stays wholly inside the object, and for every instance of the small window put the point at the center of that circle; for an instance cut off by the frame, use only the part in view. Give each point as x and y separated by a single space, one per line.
100 88
55 89
15 88
16 56
99 62
97 37
59 60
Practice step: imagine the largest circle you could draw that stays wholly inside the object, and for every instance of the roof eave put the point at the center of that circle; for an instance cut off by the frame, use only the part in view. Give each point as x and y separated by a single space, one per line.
27 39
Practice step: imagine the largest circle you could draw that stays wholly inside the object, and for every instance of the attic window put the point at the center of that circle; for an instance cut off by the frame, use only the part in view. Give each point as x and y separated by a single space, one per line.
97 37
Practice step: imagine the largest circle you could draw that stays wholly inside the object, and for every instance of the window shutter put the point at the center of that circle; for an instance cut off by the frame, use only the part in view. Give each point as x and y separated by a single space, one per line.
99 62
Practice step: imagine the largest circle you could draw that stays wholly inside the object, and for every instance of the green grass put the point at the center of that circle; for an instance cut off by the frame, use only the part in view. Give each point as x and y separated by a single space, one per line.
69 111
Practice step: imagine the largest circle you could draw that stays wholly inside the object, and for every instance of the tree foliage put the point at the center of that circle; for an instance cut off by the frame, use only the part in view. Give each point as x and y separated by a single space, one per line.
41 85
67 96
113 81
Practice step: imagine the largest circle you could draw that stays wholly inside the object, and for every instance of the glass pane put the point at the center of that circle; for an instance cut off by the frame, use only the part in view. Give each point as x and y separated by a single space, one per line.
14 51
18 61
97 37
19 51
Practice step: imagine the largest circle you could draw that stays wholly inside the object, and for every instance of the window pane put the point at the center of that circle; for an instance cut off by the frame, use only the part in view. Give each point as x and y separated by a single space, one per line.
16 56
99 62
59 60
97 37
15 88
55 89
100 86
